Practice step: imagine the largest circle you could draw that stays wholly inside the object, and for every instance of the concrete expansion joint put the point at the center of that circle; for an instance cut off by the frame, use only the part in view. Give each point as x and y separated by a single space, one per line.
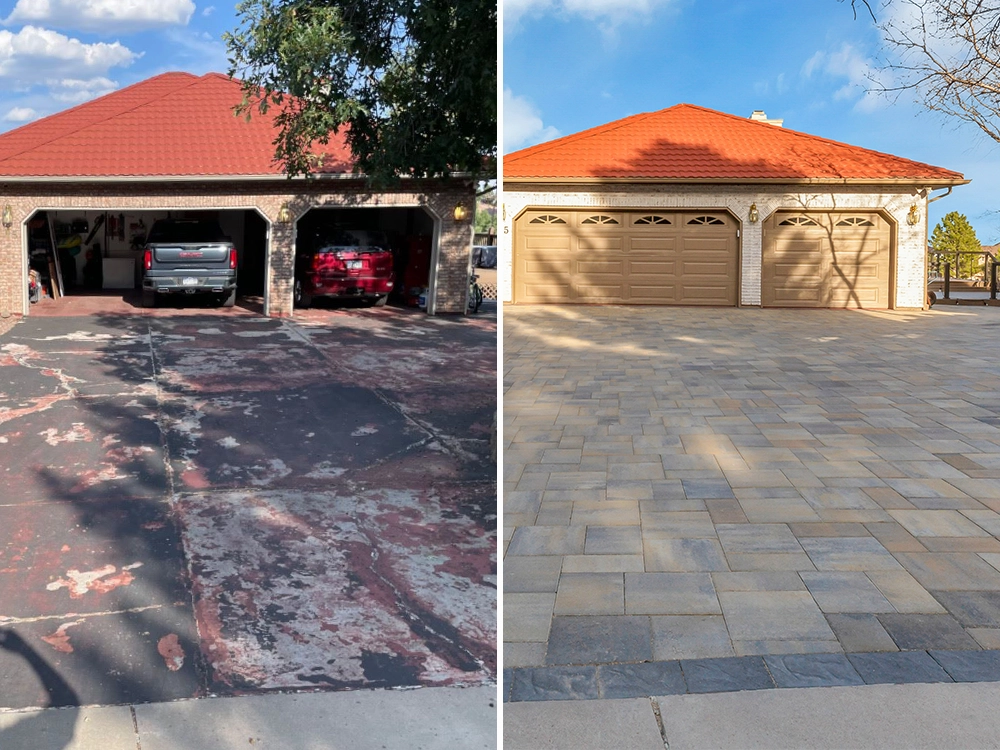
658 716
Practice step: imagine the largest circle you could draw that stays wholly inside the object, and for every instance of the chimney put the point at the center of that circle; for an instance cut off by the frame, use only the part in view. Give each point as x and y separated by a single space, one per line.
759 115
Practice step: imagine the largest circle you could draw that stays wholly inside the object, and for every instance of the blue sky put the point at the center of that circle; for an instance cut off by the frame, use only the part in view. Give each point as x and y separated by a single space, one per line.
55 54
572 64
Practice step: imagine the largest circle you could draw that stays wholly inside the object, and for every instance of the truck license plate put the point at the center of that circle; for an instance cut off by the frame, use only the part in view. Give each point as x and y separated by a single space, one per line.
354 265
189 281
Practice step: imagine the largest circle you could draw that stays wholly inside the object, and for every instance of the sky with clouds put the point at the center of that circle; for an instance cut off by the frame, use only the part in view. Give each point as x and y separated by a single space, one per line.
55 54
573 64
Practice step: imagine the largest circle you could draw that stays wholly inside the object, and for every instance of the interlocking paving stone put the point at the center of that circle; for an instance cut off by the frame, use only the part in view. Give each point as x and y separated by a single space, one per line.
972 608
898 668
894 537
613 540
762 647
927 631
931 523
848 553
640 680
603 564
683 555
529 654
812 670
526 617
904 592
757 538
970 666
840 592
778 510
531 574
547 540
599 640
670 594
725 675
508 680
703 489
678 525
988 638
554 684
773 615
861 633
950 571
758 581
590 593
690 637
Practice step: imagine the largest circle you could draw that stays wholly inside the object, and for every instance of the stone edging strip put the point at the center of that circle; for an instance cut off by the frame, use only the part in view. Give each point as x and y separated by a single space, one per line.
746 673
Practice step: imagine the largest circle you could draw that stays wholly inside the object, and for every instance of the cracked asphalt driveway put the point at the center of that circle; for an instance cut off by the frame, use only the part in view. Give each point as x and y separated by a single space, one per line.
201 504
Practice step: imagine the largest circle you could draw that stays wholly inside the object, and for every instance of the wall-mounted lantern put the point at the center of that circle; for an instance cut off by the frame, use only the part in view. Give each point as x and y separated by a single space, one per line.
912 217
284 214
753 215
8 217
461 213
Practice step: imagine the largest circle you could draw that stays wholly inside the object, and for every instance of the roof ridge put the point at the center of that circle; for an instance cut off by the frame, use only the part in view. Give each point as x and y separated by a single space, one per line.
539 148
117 113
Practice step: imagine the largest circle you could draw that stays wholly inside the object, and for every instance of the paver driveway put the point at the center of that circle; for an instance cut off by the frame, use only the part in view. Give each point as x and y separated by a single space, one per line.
690 484
194 504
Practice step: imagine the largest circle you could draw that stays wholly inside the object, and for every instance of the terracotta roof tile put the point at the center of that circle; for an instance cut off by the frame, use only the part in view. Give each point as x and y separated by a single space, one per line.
172 125
687 142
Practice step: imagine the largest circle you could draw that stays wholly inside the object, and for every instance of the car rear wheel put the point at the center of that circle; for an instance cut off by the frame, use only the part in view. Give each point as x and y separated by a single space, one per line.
301 298
230 299
148 298
380 300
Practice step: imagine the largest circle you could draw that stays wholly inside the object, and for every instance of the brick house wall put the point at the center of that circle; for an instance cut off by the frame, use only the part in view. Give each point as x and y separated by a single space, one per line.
453 239
910 241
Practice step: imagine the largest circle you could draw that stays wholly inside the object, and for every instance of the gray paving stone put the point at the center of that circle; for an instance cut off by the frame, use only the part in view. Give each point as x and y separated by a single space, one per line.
670 594
599 640
927 632
640 680
547 540
861 633
848 553
526 617
590 593
970 666
972 608
704 489
508 681
536 574
690 637
955 571
757 538
554 684
898 668
726 675
613 540
683 555
812 670
773 615
837 592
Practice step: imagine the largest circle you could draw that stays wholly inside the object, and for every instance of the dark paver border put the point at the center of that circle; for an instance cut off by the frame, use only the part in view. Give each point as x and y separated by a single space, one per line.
732 674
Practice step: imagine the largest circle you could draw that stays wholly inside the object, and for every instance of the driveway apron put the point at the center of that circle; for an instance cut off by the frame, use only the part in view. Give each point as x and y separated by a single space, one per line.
685 485
198 504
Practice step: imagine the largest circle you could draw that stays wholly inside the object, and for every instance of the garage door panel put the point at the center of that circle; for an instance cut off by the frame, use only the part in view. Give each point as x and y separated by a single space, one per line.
546 266
546 292
651 263
826 265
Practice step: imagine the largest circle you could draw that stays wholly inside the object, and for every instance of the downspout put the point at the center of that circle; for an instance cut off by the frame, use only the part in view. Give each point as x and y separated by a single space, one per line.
927 231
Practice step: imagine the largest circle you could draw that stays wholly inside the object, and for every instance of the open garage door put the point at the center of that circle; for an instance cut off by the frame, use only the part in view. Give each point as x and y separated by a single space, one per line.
364 256
826 259
641 257
91 262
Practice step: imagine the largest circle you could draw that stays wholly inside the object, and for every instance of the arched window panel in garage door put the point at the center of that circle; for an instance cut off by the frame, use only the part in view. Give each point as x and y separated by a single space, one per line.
831 260
671 262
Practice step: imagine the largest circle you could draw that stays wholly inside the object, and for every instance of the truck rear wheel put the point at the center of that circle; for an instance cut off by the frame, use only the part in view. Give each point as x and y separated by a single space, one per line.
230 299
148 298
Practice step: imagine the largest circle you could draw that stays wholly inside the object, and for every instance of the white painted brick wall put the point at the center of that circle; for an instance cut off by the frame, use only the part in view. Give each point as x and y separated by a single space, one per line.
911 241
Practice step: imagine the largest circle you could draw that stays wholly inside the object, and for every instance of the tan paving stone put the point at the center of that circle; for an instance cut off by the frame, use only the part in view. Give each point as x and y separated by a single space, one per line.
606 513
670 594
905 594
841 592
961 544
887 498
778 510
848 554
769 561
936 523
725 510
988 638
683 555
590 594
690 637
894 537
828 529
758 581
950 571
678 525
527 617
985 519
773 616
523 654
603 564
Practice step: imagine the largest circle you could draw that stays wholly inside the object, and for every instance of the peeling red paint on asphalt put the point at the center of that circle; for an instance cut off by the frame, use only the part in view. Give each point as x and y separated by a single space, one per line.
170 649
59 640
102 580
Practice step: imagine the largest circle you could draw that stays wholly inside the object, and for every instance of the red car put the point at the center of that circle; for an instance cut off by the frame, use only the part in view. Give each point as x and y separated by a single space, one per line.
343 264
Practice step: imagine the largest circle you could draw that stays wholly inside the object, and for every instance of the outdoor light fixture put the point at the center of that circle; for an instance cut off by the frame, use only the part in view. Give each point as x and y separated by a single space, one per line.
284 214
8 217
912 217
460 212
753 215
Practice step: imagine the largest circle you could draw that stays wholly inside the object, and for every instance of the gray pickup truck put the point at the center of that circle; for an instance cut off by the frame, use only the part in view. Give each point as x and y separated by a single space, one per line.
188 256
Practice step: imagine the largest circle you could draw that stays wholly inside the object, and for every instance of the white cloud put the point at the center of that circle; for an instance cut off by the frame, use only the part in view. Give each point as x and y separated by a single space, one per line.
609 13
35 55
208 11
20 114
74 91
522 123
197 51
103 15
863 77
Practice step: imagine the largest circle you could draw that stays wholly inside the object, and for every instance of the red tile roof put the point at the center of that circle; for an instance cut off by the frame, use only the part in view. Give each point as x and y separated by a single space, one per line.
172 125
687 142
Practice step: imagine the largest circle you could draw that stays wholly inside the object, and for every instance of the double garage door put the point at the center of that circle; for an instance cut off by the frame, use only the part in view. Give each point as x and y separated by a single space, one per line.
639 258
649 257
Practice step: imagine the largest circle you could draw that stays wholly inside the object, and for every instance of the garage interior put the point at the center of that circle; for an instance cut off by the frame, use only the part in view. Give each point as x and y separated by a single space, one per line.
410 235
88 261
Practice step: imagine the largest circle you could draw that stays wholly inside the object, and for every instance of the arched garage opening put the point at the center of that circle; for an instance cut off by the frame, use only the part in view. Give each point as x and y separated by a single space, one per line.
89 261
364 256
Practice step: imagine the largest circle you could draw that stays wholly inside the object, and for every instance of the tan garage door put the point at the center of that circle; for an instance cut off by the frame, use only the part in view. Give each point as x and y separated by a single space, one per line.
632 257
826 260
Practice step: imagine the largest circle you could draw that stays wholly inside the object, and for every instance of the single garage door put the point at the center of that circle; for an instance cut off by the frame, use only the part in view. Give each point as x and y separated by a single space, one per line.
826 260
631 257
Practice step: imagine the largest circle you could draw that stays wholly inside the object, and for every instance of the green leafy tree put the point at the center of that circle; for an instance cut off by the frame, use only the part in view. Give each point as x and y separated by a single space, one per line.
411 84
486 210
953 234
